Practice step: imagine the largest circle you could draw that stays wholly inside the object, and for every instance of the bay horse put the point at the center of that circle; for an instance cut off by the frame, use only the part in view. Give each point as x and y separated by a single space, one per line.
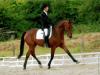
56 40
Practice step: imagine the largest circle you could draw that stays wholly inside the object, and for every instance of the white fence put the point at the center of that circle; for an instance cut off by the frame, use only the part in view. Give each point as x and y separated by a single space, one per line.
59 60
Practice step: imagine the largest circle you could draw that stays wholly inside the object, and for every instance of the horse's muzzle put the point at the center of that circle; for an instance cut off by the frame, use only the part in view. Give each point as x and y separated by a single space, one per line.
70 36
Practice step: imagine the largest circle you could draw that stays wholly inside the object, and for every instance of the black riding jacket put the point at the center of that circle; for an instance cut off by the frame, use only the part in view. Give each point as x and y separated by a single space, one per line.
45 21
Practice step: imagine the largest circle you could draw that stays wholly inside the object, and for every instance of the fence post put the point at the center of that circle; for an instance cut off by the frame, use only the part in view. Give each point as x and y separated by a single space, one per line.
13 46
82 46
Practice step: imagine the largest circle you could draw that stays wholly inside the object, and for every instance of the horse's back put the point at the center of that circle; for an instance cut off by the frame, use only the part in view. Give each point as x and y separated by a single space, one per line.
30 35
31 31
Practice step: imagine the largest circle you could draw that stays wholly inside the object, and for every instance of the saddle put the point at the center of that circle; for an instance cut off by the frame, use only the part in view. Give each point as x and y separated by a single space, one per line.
41 33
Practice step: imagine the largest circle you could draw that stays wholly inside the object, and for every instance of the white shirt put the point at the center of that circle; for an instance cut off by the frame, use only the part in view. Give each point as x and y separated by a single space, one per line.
45 12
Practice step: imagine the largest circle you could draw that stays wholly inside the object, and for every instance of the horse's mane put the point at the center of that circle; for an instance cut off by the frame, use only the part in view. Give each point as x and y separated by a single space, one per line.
58 25
61 23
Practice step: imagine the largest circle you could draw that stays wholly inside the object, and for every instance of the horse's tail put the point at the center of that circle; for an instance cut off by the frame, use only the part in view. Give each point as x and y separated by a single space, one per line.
21 45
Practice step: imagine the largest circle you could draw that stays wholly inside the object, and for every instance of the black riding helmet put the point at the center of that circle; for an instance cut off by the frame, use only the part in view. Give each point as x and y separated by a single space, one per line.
44 5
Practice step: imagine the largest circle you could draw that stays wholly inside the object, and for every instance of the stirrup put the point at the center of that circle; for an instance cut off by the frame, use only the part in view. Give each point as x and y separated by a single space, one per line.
46 45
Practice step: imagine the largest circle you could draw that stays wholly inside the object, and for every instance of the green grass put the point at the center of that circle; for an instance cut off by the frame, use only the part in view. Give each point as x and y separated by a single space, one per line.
86 28
73 45
39 51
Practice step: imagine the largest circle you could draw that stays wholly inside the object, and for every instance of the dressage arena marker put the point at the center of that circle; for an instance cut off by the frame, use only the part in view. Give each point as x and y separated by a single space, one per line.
59 60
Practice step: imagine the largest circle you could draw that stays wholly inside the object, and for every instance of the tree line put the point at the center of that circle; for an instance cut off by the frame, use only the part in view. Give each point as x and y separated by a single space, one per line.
18 15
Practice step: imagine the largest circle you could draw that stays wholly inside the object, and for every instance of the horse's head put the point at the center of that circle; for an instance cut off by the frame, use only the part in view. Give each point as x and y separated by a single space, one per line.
68 28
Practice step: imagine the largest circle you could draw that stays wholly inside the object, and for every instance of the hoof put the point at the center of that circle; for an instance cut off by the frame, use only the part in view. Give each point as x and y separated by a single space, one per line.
49 67
40 66
24 68
77 62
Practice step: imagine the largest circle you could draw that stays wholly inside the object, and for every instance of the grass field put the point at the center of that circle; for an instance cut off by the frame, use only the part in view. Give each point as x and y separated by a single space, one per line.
89 42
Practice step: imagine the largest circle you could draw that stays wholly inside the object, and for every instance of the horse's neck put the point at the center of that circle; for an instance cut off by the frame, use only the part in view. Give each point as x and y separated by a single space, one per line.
58 32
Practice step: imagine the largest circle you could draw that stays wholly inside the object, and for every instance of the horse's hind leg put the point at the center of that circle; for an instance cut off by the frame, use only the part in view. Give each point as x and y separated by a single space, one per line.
33 54
67 51
27 56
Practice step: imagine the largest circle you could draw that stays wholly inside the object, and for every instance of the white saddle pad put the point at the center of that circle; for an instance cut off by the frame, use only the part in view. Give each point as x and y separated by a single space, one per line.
40 33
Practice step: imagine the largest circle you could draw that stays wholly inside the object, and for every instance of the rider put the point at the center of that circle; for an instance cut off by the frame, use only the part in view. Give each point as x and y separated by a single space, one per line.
45 22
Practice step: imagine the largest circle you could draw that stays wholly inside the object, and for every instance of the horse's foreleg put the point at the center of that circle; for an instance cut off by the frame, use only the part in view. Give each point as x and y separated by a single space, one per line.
27 56
52 56
33 54
67 51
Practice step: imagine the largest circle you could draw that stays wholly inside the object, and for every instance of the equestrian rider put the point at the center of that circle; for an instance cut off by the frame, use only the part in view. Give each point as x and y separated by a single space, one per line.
45 22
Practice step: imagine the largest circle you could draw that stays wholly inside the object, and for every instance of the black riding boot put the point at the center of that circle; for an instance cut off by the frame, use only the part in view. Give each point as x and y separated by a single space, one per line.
46 38
47 41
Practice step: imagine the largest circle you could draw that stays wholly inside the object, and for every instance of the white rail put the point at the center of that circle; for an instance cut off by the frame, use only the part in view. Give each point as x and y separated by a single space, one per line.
59 59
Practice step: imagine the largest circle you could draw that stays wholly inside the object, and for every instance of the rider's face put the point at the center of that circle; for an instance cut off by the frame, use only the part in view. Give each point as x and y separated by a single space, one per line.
46 9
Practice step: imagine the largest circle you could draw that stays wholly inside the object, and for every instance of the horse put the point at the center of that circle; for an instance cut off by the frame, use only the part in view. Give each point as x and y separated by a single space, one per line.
56 40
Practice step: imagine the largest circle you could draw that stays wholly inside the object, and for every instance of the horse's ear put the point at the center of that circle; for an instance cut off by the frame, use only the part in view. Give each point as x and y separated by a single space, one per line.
69 21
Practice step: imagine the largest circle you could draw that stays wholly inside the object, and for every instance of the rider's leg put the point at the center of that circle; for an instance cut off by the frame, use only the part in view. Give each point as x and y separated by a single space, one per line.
47 38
